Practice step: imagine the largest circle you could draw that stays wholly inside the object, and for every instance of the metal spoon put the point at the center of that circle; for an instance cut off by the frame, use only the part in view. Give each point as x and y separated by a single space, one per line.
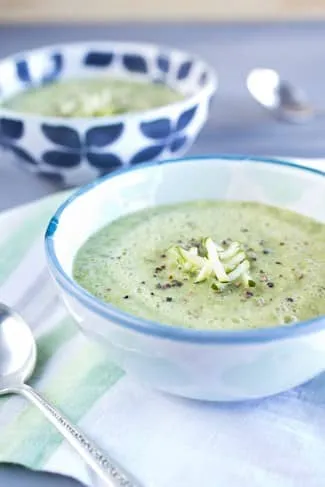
284 100
17 363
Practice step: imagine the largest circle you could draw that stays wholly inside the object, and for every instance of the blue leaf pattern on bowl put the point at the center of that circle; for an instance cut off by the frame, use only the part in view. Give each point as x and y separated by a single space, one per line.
61 159
178 143
106 162
22 70
135 63
184 70
157 129
62 135
147 154
22 154
11 129
163 64
98 59
186 118
104 135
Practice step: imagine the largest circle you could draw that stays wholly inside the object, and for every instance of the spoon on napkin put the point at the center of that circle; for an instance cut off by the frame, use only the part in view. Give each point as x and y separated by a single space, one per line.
281 98
17 362
17 475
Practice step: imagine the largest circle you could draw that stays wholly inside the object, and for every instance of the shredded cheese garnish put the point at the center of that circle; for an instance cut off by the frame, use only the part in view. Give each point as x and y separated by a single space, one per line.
210 260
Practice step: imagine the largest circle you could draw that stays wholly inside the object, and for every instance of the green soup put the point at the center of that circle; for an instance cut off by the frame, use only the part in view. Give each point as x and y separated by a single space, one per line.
128 264
94 97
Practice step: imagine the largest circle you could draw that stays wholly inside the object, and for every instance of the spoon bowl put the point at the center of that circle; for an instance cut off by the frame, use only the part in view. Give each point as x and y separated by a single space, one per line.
279 97
17 350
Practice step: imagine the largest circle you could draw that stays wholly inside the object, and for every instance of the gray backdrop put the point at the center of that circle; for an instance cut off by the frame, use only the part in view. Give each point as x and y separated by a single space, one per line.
237 124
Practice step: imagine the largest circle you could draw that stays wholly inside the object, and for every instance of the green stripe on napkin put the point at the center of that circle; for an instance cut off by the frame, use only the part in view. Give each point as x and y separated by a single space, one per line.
31 439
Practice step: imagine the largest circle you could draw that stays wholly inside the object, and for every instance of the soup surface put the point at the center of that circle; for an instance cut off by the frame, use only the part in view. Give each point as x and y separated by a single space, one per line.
209 265
94 97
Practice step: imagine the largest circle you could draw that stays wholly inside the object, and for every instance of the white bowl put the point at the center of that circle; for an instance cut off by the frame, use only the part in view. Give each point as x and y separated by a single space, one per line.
81 149
208 365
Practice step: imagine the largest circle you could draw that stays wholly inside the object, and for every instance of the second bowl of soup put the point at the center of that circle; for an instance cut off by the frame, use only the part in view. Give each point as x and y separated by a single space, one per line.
81 110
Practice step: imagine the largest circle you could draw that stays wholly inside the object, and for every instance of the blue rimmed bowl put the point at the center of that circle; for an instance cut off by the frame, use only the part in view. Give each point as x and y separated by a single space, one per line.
209 365
80 149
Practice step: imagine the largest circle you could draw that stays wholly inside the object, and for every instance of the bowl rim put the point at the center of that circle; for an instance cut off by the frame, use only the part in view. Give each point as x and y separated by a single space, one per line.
208 89
161 330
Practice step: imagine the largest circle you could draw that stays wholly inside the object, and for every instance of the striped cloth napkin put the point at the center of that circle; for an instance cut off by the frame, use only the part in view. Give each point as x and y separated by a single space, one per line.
164 441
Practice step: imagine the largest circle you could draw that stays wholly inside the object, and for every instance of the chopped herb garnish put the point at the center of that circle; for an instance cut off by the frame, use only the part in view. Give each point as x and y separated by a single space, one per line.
282 243
266 251
212 261
152 294
169 299
278 262
290 300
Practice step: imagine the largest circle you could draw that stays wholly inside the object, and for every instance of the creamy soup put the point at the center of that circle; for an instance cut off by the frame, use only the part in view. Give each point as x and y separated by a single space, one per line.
209 265
94 97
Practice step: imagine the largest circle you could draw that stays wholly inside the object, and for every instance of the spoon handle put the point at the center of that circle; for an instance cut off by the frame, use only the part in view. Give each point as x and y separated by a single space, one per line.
106 468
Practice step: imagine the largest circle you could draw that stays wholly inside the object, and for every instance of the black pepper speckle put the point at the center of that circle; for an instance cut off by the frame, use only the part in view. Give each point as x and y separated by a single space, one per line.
270 284
290 300
169 299
249 294
126 296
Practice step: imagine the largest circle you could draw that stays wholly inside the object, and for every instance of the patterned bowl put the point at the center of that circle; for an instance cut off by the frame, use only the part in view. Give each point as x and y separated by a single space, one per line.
80 149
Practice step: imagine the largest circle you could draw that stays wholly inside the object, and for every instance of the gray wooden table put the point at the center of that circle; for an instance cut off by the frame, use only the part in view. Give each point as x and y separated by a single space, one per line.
237 124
